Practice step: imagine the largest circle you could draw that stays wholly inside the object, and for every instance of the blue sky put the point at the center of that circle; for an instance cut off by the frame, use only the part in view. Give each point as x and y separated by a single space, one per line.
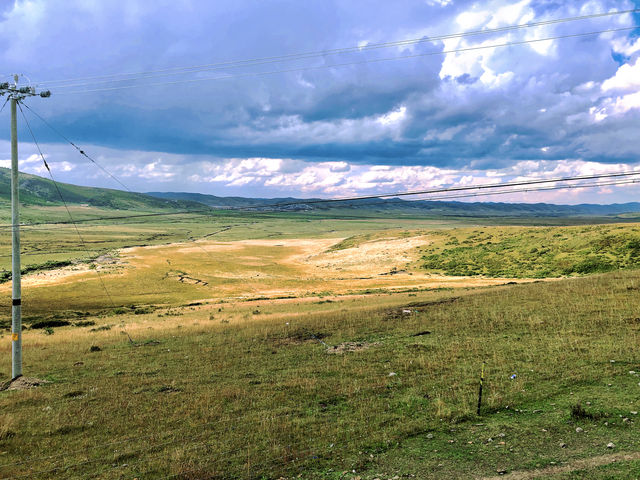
555 108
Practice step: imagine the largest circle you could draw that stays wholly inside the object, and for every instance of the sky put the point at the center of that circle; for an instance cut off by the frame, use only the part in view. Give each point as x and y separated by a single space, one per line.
367 121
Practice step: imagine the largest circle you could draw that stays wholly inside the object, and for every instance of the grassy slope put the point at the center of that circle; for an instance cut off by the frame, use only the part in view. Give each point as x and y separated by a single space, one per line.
35 190
534 252
259 397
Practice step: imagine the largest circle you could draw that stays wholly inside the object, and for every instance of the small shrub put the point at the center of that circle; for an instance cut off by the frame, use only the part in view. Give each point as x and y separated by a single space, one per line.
593 265
84 323
50 324
579 413
101 328
74 394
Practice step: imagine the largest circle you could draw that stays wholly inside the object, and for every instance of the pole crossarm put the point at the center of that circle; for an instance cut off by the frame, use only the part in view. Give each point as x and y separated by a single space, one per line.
13 91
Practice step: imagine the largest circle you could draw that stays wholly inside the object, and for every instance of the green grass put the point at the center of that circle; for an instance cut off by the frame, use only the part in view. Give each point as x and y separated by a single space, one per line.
259 397
534 252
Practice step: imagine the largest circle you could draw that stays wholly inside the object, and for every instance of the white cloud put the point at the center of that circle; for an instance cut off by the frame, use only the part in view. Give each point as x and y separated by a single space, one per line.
625 46
615 106
626 78
479 63
511 14
395 116
472 19
262 176
441 3
324 179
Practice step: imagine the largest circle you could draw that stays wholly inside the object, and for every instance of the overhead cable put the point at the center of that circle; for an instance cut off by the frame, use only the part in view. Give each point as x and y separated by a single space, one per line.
466 188
344 64
81 151
305 55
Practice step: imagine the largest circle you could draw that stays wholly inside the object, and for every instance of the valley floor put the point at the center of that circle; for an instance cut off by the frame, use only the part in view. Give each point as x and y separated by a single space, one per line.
334 357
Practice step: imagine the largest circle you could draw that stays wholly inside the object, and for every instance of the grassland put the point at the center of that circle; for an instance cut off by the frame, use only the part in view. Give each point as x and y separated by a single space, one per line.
220 267
246 389
535 252
60 242
322 347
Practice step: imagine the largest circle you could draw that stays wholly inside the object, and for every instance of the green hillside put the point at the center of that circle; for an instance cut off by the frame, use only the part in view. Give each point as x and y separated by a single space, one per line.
534 252
38 191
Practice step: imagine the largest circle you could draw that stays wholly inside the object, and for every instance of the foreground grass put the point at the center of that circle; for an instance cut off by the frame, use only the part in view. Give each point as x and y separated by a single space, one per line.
208 393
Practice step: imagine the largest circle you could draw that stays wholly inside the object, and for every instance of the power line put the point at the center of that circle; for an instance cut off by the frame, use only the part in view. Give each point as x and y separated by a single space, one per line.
84 245
362 62
68 83
538 189
214 212
463 188
360 217
210 211
82 152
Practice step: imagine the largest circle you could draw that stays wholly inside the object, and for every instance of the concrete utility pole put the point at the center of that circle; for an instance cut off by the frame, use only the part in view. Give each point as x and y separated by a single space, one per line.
16 95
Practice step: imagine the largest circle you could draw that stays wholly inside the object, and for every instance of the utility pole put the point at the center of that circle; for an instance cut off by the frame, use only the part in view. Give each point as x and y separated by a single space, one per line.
16 94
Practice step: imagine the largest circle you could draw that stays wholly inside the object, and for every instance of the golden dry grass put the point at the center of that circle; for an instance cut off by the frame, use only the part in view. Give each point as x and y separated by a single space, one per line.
209 270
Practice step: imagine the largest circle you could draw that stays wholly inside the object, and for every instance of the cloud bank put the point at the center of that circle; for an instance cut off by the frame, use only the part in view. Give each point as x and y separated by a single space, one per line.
538 109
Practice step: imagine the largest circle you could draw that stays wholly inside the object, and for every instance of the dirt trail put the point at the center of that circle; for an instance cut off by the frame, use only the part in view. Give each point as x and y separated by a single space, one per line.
581 464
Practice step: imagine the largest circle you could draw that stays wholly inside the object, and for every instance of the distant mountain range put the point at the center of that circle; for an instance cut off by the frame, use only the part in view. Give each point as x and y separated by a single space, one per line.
425 207
35 190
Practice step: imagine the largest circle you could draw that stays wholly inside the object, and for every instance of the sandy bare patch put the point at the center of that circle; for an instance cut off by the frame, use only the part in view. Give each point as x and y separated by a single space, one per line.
376 257
47 277
104 263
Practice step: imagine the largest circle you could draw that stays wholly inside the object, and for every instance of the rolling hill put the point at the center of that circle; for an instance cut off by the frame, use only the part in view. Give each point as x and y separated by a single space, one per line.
39 191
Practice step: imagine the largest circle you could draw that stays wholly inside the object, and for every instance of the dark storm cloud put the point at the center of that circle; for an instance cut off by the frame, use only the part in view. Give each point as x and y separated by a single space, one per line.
486 109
